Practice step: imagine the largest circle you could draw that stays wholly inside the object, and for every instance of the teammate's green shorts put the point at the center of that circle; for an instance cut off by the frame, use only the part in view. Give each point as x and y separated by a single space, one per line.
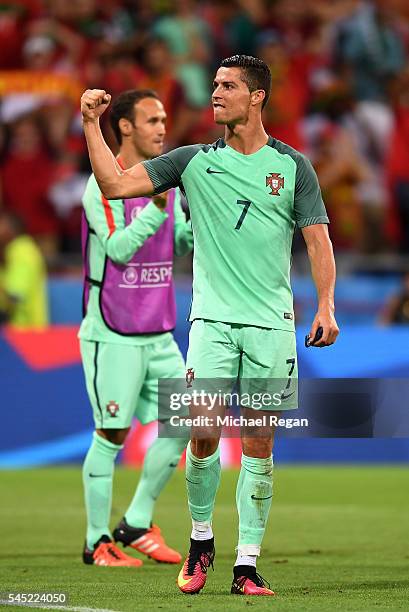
122 380
263 361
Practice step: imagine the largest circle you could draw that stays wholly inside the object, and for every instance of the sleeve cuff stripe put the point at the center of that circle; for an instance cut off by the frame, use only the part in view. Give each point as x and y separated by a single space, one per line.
312 221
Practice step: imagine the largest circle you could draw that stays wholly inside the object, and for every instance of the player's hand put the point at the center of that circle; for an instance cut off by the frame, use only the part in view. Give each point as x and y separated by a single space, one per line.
330 330
161 200
93 103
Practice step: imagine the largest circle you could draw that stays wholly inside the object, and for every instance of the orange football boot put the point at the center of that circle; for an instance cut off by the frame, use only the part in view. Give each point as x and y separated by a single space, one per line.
150 542
252 584
192 577
107 554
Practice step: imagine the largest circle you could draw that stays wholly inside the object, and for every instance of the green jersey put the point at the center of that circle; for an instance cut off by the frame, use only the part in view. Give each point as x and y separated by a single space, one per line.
119 242
244 209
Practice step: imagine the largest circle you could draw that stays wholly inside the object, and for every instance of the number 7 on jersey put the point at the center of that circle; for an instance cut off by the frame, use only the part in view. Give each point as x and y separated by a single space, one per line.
246 204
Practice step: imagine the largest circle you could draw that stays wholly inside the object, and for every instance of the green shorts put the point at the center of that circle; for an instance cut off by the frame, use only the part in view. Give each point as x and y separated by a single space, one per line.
264 361
122 380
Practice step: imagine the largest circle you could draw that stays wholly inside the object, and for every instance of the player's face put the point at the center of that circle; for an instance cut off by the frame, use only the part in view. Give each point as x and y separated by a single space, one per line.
231 97
149 127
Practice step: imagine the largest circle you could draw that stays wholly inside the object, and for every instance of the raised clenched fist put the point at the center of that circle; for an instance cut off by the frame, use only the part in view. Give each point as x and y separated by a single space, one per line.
93 103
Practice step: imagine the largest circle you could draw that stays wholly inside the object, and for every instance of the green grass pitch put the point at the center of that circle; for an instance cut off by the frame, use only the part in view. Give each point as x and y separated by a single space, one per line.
337 539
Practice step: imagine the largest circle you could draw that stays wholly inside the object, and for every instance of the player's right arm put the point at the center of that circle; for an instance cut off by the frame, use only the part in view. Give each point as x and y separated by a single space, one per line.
114 182
106 219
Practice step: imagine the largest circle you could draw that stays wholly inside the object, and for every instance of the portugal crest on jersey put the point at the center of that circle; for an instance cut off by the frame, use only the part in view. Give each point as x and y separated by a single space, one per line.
112 408
190 376
276 182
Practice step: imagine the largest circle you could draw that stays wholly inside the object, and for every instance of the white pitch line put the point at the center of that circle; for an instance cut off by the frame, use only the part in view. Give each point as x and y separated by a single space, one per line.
4 602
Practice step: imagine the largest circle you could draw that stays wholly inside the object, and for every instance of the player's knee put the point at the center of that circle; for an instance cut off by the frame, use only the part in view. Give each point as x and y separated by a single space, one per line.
115 436
203 447
257 447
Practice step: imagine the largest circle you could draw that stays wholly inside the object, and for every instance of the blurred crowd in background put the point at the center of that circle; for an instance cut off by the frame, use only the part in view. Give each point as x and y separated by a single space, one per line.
340 94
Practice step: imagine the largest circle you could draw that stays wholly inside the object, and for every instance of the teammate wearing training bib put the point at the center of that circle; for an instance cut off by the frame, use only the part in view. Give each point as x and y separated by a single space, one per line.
247 192
126 340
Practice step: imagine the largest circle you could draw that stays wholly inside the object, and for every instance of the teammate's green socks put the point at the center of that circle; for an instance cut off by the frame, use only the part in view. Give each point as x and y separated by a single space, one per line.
253 499
159 464
97 474
202 481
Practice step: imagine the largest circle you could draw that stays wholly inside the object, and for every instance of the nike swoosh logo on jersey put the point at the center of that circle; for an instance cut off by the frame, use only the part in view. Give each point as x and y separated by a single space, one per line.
210 171
254 497
99 475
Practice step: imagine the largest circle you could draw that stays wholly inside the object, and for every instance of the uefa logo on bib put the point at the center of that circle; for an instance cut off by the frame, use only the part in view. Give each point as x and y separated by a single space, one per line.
136 211
130 276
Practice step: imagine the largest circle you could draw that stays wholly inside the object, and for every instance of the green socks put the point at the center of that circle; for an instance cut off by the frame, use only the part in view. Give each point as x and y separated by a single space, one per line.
159 464
97 474
202 481
253 495
253 498
98 471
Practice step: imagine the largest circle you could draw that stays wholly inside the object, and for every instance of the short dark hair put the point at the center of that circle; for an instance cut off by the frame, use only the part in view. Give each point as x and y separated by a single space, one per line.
123 107
256 73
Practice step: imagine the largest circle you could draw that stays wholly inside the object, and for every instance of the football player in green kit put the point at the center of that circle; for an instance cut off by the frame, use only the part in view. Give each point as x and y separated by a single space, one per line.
246 192
125 336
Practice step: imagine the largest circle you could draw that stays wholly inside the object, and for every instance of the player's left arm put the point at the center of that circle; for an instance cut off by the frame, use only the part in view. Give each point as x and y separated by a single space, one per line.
311 218
322 261
183 229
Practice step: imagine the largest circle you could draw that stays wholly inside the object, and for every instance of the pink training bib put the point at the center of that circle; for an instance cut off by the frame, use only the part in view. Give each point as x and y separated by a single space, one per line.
137 297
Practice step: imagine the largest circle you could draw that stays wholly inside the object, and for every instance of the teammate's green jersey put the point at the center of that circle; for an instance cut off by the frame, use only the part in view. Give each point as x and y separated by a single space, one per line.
244 209
119 242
